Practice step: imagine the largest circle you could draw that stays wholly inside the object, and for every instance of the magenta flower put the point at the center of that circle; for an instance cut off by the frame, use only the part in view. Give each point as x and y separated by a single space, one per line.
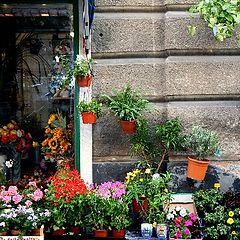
177 221
17 198
37 195
187 231
178 234
34 184
6 199
188 223
28 203
12 190
192 216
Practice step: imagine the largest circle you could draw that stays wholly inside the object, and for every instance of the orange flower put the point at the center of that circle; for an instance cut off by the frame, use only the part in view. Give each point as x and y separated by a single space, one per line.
52 118
10 126
48 130
52 143
45 142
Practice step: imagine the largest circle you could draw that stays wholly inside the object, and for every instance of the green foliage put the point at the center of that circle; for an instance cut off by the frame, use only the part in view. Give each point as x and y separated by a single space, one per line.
223 16
67 68
202 142
126 104
92 106
82 66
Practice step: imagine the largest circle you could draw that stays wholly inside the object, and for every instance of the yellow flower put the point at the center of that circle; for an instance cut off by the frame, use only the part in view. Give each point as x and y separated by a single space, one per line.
35 144
129 174
137 171
230 221
233 233
166 190
148 170
154 224
141 179
217 185
231 213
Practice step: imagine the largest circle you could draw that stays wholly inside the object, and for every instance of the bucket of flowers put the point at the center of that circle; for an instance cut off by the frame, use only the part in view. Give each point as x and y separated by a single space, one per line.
183 224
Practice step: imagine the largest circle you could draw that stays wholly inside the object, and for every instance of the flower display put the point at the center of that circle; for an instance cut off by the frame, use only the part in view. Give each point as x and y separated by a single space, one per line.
58 141
12 136
182 223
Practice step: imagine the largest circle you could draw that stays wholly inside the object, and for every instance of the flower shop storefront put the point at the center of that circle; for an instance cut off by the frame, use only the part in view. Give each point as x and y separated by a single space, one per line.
38 93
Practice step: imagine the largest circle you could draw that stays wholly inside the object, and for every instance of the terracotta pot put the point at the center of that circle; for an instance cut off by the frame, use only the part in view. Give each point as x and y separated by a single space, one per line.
119 233
4 233
85 81
58 232
197 169
37 232
75 230
128 127
15 232
89 117
101 233
142 205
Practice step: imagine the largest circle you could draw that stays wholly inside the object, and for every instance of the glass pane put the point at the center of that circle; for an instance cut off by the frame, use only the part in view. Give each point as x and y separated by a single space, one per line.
35 56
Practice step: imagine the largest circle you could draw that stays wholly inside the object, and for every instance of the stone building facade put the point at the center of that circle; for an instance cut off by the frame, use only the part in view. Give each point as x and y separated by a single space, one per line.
146 43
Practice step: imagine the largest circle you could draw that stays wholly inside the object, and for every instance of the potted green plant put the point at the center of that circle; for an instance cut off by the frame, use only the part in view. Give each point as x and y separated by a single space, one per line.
89 111
82 71
127 105
201 143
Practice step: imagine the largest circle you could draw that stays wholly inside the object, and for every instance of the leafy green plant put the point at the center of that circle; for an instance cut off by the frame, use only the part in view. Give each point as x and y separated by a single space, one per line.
222 16
68 71
93 106
169 135
202 142
82 66
126 104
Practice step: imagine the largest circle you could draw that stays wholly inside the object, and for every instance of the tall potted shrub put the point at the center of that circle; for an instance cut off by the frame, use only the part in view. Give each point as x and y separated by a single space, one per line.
202 143
127 105
89 111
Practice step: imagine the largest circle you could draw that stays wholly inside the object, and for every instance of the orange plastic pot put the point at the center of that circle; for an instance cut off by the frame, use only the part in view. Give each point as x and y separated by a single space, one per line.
101 233
89 117
128 127
197 169
119 233
58 232
85 81
75 230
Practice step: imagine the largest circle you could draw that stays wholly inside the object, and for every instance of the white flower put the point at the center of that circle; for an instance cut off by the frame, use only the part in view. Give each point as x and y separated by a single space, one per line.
183 212
170 216
156 176
19 133
178 208
9 163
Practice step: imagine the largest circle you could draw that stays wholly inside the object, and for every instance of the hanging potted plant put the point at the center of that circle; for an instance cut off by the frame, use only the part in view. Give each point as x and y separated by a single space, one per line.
89 111
82 71
202 143
127 105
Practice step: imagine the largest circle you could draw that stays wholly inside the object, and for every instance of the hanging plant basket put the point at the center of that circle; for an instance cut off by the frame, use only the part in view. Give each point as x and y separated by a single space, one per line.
128 127
85 81
89 117
197 169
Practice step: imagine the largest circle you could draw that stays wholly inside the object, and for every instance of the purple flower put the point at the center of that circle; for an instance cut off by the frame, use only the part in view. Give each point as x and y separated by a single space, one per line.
187 231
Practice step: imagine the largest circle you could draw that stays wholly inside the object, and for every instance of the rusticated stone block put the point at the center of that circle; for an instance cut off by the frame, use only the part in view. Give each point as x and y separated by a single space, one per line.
128 32
144 75
202 75
177 36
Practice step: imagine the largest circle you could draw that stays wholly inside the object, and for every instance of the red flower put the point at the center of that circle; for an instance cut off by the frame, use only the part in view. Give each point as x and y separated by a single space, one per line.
5 139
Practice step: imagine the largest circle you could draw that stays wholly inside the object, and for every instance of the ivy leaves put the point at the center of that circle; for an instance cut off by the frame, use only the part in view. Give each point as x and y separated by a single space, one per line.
223 16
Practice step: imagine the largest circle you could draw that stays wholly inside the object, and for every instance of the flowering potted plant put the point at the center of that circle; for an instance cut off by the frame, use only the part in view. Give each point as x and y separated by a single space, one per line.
182 224
202 143
82 71
89 111
64 189
127 105
58 141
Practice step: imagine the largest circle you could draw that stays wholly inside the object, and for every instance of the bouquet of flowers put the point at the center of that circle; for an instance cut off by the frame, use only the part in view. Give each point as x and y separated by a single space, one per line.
182 223
58 141
12 137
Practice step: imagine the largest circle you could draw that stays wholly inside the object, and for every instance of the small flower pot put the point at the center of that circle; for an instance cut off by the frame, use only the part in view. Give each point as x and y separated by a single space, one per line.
128 127
37 232
15 232
101 233
3 233
85 81
58 232
89 117
119 233
197 169
162 230
75 230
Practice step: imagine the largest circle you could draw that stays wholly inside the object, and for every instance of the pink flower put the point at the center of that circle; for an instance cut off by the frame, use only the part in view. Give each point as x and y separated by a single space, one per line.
178 234
17 198
34 184
28 203
192 216
6 199
37 195
12 190
188 223
186 231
